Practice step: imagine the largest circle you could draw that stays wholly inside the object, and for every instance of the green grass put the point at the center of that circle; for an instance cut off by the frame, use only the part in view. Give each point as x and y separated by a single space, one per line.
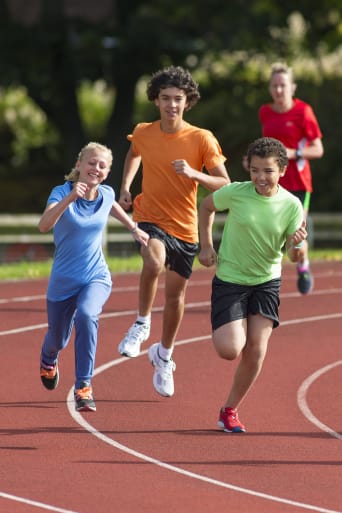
32 270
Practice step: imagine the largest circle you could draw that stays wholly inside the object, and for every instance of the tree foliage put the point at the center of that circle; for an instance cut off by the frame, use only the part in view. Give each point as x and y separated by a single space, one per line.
85 75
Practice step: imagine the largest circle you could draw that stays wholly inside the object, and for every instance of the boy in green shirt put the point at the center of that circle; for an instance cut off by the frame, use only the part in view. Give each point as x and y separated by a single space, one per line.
263 216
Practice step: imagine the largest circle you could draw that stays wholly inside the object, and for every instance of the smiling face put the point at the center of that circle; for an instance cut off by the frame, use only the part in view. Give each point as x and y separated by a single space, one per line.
94 166
265 173
171 102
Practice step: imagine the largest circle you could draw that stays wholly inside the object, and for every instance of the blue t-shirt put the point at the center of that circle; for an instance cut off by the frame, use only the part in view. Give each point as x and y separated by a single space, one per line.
79 257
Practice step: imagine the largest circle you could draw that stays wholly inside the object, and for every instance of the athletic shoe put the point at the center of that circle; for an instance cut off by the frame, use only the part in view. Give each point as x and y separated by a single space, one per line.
49 376
304 281
84 400
135 336
229 421
163 369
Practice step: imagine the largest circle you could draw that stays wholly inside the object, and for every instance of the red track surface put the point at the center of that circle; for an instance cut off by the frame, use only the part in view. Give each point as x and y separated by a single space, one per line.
141 453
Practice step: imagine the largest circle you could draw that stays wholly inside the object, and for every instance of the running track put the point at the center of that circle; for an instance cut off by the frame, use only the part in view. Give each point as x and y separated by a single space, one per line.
141 453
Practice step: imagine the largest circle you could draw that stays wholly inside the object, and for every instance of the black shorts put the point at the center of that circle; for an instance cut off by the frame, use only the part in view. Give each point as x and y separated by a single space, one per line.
180 255
230 301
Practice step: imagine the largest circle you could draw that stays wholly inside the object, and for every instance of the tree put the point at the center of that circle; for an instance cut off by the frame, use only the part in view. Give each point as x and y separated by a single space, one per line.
122 41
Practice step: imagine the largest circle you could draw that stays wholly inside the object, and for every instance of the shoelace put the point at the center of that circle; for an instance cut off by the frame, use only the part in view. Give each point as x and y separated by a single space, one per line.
84 393
134 332
233 416
166 367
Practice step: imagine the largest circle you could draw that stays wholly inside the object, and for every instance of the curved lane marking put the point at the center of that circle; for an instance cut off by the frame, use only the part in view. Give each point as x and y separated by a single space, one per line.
80 420
92 430
36 504
302 402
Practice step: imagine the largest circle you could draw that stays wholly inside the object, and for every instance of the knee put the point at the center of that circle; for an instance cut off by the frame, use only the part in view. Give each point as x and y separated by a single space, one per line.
153 266
175 299
228 353
254 354
225 350
85 317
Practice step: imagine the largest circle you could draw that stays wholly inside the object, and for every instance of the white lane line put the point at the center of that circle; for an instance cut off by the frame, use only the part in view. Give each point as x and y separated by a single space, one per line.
79 419
161 286
37 504
302 402
92 430
22 299
199 304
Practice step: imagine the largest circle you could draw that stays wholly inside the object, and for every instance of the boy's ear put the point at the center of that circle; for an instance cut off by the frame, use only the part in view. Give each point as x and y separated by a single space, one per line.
283 171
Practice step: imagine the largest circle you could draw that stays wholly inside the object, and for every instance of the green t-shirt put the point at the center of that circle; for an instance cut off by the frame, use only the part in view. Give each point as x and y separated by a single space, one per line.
254 233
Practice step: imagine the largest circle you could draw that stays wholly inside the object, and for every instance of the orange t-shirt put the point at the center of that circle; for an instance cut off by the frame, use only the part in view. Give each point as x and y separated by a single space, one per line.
167 199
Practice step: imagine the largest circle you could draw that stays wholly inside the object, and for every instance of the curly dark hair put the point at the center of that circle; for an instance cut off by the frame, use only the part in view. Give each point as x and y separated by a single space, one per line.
268 147
174 76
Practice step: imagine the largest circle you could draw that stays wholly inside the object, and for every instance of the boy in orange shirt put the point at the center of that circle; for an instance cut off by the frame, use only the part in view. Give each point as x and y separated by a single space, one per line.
173 154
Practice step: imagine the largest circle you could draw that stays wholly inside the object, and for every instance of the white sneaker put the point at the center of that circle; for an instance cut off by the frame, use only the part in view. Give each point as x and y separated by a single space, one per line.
135 336
163 369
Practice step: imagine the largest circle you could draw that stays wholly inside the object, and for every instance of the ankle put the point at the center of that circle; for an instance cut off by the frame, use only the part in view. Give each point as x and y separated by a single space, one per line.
164 352
304 265
144 319
230 408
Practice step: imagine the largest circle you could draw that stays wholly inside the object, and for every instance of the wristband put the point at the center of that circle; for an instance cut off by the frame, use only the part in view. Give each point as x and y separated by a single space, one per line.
297 246
134 229
299 154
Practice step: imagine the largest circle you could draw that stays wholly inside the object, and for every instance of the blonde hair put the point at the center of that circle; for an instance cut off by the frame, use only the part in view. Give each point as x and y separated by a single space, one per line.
74 174
281 67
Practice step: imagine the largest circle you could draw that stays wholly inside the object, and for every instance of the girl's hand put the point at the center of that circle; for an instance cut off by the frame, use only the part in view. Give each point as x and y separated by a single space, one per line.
79 190
140 236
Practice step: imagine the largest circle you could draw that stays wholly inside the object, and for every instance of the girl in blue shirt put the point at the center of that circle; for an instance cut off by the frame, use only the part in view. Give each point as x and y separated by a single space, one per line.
80 282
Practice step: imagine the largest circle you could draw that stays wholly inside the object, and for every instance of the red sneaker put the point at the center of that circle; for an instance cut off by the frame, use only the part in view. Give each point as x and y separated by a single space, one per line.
229 421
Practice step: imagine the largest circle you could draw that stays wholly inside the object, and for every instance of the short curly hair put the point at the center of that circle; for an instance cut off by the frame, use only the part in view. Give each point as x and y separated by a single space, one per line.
268 147
174 76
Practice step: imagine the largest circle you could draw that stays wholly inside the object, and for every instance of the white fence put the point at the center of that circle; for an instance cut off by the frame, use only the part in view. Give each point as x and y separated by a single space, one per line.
19 234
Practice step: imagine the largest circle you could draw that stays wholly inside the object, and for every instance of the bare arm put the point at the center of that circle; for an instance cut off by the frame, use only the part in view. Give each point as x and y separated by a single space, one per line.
206 216
314 150
295 241
131 166
217 177
118 212
54 211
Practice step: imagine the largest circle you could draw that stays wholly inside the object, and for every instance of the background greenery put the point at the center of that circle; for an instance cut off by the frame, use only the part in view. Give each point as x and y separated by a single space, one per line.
71 72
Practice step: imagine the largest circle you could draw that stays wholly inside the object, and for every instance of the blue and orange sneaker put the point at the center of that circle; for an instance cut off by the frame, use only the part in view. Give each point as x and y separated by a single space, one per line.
229 421
84 399
49 375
